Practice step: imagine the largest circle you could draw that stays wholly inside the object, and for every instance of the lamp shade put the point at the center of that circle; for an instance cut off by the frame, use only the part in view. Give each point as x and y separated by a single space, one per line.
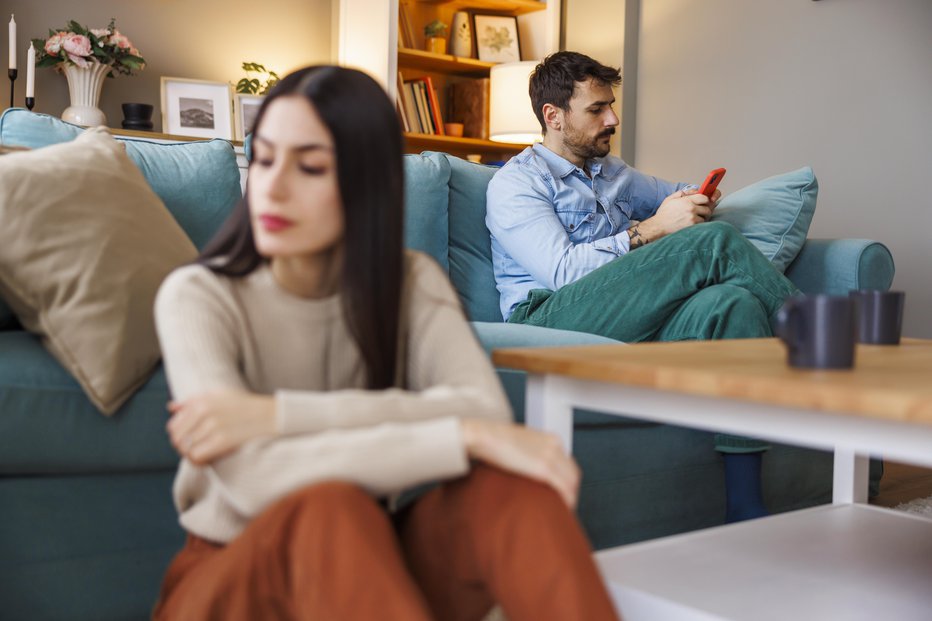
511 116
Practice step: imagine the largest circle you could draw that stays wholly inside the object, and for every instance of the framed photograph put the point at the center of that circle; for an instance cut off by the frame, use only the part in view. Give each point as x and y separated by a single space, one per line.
197 108
497 38
245 109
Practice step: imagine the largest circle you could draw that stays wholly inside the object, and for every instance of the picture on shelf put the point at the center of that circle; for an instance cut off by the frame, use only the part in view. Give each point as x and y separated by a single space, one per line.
197 108
245 109
196 112
497 38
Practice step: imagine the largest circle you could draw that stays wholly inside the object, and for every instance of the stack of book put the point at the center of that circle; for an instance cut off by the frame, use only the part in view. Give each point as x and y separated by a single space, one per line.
419 107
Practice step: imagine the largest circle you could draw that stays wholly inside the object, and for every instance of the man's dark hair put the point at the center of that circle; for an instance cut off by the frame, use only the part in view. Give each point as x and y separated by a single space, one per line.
555 78
370 175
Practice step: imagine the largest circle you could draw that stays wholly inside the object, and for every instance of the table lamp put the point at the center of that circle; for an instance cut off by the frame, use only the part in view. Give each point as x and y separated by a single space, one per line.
511 117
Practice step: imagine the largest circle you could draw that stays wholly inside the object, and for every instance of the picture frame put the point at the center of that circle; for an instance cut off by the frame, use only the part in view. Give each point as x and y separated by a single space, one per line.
497 38
245 109
197 108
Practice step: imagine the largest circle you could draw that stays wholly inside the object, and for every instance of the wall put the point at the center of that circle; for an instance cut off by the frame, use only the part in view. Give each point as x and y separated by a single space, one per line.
764 87
203 39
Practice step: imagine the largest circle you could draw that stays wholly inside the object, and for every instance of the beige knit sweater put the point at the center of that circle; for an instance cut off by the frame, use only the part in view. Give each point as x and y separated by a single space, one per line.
250 334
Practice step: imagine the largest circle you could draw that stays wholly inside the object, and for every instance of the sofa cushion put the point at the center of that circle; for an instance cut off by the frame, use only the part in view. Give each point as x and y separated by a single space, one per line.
84 246
426 199
774 213
199 182
47 425
470 242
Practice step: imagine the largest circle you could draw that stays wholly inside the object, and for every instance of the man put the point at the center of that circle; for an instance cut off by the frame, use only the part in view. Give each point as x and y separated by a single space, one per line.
581 241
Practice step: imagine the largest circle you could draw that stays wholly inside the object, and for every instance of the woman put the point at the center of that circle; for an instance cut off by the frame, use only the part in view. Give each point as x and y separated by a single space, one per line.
317 370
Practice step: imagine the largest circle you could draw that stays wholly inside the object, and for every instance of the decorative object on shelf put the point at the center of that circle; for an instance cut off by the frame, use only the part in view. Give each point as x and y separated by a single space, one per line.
511 115
255 86
30 77
197 108
12 70
137 116
434 41
469 105
86 56
453 129
497 38
245 109
461 35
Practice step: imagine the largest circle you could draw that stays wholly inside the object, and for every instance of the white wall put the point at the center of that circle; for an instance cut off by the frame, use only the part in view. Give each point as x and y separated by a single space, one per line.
765 86
199 39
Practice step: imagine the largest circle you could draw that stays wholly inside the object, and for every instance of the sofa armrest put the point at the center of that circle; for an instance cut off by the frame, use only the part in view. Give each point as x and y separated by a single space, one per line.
495 335
837 266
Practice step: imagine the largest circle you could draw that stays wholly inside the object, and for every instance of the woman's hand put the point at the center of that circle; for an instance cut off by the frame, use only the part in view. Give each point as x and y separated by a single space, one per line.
525 451
206 427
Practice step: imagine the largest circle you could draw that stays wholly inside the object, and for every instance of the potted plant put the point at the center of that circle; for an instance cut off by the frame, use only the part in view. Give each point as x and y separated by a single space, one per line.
434 33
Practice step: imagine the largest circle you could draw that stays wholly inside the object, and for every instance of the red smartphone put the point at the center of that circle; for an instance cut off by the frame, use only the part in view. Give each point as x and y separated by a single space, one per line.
711 182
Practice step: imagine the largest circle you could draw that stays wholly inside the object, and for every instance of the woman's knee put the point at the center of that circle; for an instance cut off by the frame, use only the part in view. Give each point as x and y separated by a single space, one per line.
321 504
504 491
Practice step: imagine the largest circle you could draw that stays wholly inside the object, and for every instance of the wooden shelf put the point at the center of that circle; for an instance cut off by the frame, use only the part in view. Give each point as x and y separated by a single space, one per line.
444 63
512 7
459 146
134 133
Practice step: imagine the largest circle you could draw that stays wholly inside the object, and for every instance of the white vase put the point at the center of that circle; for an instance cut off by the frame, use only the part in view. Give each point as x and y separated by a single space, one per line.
461 35
84 84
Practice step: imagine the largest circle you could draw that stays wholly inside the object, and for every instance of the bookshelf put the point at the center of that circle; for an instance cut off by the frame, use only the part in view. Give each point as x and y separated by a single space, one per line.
446 70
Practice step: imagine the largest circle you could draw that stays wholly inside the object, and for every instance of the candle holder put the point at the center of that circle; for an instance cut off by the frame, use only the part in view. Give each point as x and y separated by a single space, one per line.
12 73
30 103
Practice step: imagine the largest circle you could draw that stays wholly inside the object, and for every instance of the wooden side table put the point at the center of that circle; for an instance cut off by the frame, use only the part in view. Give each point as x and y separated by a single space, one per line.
843 561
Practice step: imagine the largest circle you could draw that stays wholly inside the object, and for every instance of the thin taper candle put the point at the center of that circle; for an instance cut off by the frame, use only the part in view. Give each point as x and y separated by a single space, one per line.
12 43
31 72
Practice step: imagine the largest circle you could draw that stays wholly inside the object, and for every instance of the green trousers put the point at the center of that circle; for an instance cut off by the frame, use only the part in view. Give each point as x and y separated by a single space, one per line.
703 282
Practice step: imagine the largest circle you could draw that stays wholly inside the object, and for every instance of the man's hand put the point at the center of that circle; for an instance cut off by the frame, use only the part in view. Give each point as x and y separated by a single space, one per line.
521 450
678 211
206 427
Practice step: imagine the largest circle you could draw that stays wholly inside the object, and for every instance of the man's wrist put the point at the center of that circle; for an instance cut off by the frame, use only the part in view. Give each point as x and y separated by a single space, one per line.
637 237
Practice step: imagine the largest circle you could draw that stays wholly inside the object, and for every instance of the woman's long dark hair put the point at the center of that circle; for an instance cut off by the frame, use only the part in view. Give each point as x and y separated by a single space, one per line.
368 148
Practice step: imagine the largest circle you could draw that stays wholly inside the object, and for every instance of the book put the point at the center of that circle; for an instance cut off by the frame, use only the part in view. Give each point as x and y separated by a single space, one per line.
436 117
406 32
469 105
424 107
414 111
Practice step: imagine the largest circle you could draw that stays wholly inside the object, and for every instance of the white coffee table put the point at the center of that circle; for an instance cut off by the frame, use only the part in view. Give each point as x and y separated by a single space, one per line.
841 561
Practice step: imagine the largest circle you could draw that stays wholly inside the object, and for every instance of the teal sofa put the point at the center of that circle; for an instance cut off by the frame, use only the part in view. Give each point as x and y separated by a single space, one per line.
87 525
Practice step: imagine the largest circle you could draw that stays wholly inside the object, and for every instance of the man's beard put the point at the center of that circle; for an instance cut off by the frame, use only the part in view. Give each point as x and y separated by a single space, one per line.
584 147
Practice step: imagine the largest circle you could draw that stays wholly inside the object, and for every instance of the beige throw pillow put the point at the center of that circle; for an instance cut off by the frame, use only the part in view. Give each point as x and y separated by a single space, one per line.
84 245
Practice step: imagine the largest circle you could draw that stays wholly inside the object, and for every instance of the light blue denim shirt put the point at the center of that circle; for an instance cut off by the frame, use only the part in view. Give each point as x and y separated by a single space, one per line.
551 224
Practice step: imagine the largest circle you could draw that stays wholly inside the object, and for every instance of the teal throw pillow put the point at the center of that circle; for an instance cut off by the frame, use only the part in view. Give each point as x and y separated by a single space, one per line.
774 214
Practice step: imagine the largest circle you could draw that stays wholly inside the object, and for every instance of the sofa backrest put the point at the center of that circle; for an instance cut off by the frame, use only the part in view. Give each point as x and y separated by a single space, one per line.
445 217
198 181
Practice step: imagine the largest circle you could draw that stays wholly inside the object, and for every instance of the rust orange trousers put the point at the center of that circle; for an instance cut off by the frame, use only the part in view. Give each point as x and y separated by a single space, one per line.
330 552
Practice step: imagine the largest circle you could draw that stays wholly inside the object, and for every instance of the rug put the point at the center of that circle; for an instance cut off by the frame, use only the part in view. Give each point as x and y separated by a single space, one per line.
919 506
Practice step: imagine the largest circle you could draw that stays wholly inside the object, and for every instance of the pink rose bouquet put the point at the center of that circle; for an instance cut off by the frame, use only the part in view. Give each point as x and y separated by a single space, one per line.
81 46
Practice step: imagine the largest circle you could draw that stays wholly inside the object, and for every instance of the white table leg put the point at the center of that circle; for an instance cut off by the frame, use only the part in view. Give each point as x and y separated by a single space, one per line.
547 408
852 471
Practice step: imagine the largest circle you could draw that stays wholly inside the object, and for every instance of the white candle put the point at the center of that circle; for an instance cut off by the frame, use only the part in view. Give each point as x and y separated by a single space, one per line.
12 43
31 72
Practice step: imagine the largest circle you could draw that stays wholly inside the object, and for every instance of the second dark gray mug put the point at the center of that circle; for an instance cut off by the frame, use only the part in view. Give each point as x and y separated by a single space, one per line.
880 316
819 331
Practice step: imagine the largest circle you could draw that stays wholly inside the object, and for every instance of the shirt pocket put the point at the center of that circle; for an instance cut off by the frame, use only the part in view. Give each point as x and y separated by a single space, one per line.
622 213
577 225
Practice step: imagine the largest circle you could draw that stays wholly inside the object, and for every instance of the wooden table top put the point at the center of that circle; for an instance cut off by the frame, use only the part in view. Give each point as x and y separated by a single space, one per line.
887 382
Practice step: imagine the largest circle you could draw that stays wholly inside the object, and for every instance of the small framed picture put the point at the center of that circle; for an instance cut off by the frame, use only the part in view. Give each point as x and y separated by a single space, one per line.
497 38
245 109
197 108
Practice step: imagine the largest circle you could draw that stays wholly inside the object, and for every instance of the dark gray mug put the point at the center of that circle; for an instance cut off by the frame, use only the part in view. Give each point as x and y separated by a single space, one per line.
819 331
880 316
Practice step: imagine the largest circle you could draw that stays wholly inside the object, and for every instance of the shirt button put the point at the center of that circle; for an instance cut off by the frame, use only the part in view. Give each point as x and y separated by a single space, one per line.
572 226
